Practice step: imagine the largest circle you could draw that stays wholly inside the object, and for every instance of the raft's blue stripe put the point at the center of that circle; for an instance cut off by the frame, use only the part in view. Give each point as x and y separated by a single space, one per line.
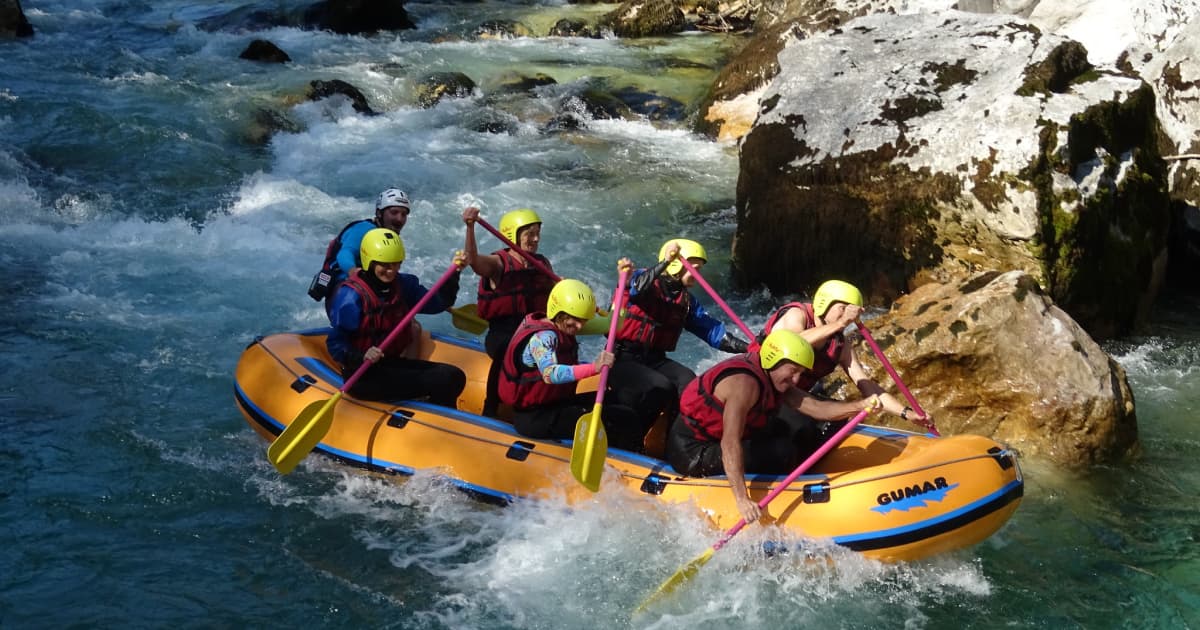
277 427
901 531
323 370
470 344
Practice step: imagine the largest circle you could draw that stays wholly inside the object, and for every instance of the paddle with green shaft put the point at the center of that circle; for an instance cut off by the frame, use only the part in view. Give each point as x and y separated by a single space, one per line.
313 422
690 569
591 444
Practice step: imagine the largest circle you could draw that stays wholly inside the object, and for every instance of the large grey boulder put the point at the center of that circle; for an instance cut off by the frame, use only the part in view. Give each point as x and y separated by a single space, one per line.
898 150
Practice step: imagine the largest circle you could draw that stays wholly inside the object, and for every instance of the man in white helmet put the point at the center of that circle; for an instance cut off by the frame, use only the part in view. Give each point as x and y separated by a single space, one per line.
391 211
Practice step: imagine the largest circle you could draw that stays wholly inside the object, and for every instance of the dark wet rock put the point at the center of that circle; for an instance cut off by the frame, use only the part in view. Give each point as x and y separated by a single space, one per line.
516 85
501 29
263 50
1023 371
13 22
598 104
265 122
572 28
645 18
358 17
348 17
320 89
430 90
650 104
492 121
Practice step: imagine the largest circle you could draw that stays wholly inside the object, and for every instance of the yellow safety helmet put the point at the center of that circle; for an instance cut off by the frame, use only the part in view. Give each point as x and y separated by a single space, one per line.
380 245
832 291
573 298
687 249
785 345
512 222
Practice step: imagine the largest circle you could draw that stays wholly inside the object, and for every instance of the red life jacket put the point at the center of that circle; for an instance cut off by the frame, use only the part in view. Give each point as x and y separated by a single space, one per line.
826 359
519 290
654 320
522 386
703 413
379 318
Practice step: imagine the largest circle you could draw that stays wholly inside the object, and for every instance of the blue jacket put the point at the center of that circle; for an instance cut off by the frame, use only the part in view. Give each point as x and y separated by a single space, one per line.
346 314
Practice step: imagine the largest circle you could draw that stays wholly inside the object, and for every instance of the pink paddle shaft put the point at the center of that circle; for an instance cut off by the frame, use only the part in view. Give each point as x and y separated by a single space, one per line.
618 302
402 325
716 298
532 260
787 481
896 378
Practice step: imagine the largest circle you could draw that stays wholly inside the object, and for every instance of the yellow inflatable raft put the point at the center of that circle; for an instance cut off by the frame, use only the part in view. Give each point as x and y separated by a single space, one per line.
889 494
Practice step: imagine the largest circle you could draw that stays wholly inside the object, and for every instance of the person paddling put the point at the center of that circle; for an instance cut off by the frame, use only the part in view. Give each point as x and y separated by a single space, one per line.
540 371
660 309
365 310
724 424
836 304
510 287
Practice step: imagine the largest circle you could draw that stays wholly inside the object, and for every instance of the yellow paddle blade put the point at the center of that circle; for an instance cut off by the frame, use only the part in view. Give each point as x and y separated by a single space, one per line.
589 450
302 435
681 576
600 324
466 318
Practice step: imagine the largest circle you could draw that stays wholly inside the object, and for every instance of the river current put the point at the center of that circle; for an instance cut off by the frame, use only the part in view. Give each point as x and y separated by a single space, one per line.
144 242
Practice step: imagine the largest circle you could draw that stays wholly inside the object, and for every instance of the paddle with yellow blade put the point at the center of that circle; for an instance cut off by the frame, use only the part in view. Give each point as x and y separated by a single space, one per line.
591 444
690 569
313 422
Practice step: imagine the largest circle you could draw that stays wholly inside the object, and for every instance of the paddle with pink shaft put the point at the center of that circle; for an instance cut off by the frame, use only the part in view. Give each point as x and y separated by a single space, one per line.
690 569
313 422
716 298
528 256
921 420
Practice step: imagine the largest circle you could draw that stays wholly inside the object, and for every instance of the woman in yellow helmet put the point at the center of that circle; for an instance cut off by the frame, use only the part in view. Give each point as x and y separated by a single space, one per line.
509 286
660 309
540 370
726 413
836 304
368 306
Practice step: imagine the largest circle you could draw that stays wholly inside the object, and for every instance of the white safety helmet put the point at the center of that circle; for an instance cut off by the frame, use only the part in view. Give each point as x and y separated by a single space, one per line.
392 197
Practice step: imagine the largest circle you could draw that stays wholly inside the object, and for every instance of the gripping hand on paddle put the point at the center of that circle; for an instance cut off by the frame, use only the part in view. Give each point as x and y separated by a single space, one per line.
850 314
460 258
624 264
603 360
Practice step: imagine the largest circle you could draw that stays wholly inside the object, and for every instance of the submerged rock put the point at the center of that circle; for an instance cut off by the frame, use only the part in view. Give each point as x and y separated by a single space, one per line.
431 89
994 356
266 51
320 89
645 18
